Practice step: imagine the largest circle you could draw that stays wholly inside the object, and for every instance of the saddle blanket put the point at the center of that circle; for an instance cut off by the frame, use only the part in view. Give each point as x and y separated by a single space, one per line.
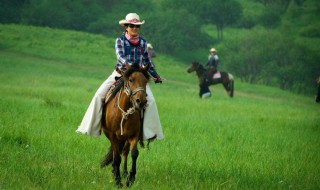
217 75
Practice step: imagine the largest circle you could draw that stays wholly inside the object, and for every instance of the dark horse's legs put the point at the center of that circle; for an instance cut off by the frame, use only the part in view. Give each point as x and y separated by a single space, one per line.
228 86
204 88
227 83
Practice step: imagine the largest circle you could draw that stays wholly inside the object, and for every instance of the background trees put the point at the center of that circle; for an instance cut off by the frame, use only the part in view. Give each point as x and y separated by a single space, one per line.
260 41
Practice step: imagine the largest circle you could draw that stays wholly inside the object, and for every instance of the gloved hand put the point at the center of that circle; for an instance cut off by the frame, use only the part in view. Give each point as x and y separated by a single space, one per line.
158 79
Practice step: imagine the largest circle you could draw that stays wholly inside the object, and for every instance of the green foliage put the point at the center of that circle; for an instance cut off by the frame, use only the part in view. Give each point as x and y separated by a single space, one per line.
167 31
255 58
62 14
280 6
270 19
225 13
312 31
263 138
10 10
186 29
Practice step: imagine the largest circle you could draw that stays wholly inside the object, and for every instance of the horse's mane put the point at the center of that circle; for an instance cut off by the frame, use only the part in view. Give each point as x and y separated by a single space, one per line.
120 80
197 64
133 69
117 86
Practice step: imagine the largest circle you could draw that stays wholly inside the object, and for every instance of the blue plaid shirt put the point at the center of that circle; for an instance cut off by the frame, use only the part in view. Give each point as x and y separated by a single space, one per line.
127 53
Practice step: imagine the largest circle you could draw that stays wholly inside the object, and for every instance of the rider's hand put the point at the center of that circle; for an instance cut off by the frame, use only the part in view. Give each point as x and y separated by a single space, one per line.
158 79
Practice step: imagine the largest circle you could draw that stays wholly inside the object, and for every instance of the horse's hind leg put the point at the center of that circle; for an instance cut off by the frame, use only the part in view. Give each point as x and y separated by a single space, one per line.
134 155
126 150
231 88
116 162
228 85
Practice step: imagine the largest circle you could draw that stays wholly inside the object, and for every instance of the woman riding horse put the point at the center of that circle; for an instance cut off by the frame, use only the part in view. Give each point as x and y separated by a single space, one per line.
130 49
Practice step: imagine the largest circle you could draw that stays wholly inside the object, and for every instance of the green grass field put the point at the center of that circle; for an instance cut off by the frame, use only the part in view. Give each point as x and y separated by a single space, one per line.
263 138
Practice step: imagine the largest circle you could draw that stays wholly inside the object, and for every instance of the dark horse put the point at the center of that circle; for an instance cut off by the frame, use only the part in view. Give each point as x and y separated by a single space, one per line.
122 121
206 79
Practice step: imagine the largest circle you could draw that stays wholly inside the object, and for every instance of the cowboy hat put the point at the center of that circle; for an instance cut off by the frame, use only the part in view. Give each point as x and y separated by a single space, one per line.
131 18
149 46
213 50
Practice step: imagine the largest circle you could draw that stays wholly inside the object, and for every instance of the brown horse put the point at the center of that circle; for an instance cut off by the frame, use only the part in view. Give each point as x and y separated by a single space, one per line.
122 121
206 79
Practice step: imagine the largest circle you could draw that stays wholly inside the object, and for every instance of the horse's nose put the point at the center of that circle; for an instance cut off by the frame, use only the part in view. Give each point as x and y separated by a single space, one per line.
140 103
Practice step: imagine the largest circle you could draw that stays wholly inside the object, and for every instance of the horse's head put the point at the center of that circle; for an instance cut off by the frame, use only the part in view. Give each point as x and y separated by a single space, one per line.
136 80
193 67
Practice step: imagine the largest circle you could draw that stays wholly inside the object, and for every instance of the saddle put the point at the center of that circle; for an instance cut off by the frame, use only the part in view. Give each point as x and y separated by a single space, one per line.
212 71
115 87
216 75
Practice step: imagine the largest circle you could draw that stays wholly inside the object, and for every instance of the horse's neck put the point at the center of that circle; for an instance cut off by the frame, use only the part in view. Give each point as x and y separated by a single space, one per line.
201 72
124 101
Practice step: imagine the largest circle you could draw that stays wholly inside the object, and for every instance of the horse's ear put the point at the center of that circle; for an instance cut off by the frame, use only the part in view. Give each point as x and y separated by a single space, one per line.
127 66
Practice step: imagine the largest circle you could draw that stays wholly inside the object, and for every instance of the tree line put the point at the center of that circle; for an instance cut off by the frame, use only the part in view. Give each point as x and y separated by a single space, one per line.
266 53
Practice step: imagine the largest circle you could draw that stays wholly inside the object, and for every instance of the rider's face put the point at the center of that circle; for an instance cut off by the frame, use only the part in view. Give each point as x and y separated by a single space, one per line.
133 30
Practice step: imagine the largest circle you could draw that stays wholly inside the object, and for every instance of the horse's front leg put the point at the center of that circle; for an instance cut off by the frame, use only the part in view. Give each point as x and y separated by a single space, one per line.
116 164
126 150
134 155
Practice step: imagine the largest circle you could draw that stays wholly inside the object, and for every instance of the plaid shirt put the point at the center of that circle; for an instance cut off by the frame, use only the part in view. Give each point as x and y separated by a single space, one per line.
127 53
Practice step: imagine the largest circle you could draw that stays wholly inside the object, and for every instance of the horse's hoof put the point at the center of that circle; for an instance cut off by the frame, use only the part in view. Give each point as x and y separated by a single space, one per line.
114 173
206 95
119 185
125 174
130 181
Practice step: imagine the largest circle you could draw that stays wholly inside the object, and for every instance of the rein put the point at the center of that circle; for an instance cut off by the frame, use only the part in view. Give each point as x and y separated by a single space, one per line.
131 110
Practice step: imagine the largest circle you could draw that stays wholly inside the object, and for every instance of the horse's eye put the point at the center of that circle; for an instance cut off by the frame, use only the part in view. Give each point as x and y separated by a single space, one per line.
130 80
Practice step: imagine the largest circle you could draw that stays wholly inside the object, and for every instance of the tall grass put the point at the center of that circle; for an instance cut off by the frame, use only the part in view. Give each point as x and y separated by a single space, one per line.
263 138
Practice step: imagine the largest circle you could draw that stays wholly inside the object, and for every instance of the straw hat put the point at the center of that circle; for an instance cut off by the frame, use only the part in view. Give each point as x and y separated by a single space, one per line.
131 18
213 50
149 46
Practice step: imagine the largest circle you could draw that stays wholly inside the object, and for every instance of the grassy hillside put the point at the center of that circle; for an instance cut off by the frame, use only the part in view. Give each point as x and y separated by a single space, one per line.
263 138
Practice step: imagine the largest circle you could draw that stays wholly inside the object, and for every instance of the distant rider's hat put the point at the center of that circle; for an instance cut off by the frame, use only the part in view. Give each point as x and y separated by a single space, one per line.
213 50
149 46
131 18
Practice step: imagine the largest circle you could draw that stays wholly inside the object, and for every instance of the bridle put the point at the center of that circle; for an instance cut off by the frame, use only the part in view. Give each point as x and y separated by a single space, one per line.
131 110
130 92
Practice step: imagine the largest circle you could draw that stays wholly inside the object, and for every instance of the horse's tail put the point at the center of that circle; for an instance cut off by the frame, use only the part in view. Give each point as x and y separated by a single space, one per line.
230 77
231 84
108 158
